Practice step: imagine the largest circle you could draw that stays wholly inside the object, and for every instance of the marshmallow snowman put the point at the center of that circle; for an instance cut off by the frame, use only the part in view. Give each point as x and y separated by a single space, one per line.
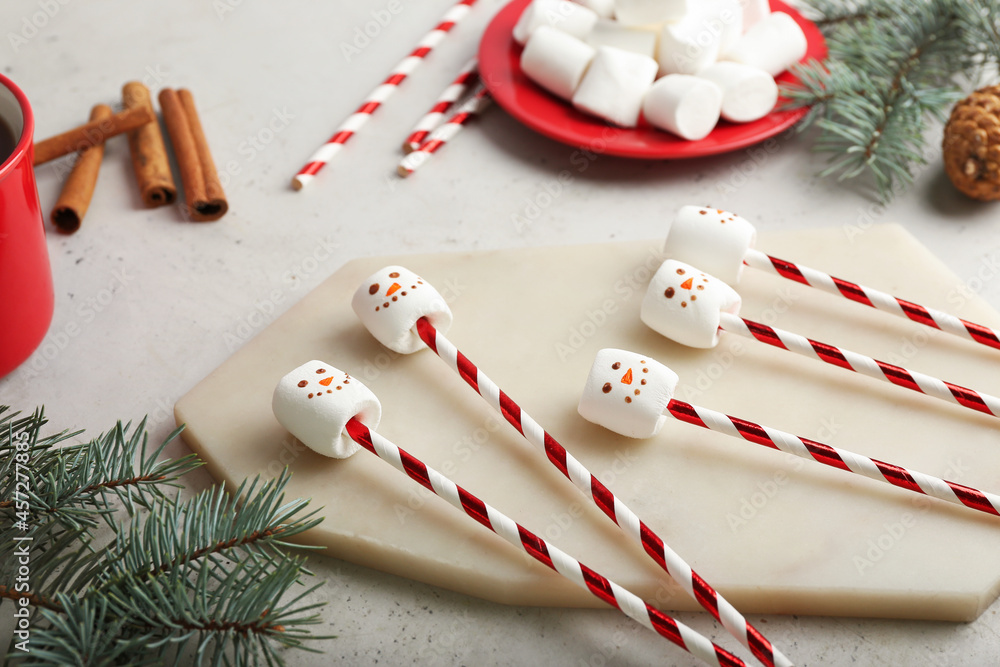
314 403
391 300
712 239
685 304
627 393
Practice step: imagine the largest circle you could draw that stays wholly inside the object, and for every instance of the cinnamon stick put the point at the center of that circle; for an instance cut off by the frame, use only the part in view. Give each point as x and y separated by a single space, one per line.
77 191
149 153
91 134
203 193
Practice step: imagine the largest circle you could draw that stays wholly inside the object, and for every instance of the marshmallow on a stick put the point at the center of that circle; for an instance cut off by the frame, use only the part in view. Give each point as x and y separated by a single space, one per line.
773 44
686 105
627 393
613 33
314 403
645 12
389 303
556 61
748 93
615 84
570 17
605 9
686 305
714 240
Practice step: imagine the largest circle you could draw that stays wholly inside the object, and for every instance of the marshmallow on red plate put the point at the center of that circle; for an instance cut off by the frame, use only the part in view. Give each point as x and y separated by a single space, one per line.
570 17
773 44
314 403
556 61
727 17
605 9
627 393
690 45
711 239
614 85
754 11
685 304
644 12
748 93
686 105
389 303
613 33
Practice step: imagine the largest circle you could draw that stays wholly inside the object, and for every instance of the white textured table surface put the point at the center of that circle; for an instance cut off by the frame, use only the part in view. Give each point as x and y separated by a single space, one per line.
147 304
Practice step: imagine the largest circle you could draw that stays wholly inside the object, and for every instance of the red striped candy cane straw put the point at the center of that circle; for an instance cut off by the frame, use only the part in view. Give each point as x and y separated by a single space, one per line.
804 448
356 120
620 598
930 317
432 118
724 612
859 363
439 137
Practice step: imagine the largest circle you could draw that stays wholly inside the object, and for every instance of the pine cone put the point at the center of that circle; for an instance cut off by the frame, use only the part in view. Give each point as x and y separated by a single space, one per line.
972 144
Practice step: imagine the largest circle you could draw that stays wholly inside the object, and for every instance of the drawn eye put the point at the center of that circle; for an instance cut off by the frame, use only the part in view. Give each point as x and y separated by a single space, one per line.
320 371
394 274
607 388
681 272
669 293
373 289
616 365
303 383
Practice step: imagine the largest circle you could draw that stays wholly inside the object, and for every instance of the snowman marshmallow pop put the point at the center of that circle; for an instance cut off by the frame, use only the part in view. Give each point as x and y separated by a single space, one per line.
691 307
405 313
721 243
336 415
632 395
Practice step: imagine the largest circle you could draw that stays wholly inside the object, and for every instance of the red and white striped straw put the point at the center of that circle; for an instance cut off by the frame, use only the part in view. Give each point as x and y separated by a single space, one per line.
620 598
859 363
356 120
805 448
433 118
699 589
929 317
442 135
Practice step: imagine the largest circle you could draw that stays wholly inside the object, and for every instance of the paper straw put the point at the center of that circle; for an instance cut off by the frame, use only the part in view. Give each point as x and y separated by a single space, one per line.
734 622
356 120
539 549
433 118
468 110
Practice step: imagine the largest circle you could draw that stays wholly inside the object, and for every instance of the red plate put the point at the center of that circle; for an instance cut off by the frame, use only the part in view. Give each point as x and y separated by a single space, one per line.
499 65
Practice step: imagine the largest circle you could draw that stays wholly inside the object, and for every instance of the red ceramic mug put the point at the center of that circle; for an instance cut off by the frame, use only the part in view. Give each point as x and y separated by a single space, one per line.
26 297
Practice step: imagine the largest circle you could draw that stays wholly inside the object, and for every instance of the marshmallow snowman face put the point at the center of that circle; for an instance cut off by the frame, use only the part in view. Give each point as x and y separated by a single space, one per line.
685 304
627 393
314 403
389 303
714 240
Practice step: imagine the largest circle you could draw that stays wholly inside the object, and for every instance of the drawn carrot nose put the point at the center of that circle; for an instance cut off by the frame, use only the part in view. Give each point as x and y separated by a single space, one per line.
395 286
627 378
326 381
687 283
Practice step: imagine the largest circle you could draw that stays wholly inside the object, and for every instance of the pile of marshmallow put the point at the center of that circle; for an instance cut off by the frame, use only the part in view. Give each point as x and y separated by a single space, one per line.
680 63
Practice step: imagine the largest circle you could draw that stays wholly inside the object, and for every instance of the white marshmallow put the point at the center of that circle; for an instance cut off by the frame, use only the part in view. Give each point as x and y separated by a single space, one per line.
774 44
627 393
754 11
390 302
685 304
556 61
691 45
614 85
686 105
748 93
728 15
714 240
570 17
314 403
644 12
612 33
604 9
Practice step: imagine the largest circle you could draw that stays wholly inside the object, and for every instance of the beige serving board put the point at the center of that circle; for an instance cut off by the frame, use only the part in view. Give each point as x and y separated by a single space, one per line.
773 533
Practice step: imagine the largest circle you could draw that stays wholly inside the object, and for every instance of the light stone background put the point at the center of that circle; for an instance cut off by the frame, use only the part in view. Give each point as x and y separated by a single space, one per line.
148 304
